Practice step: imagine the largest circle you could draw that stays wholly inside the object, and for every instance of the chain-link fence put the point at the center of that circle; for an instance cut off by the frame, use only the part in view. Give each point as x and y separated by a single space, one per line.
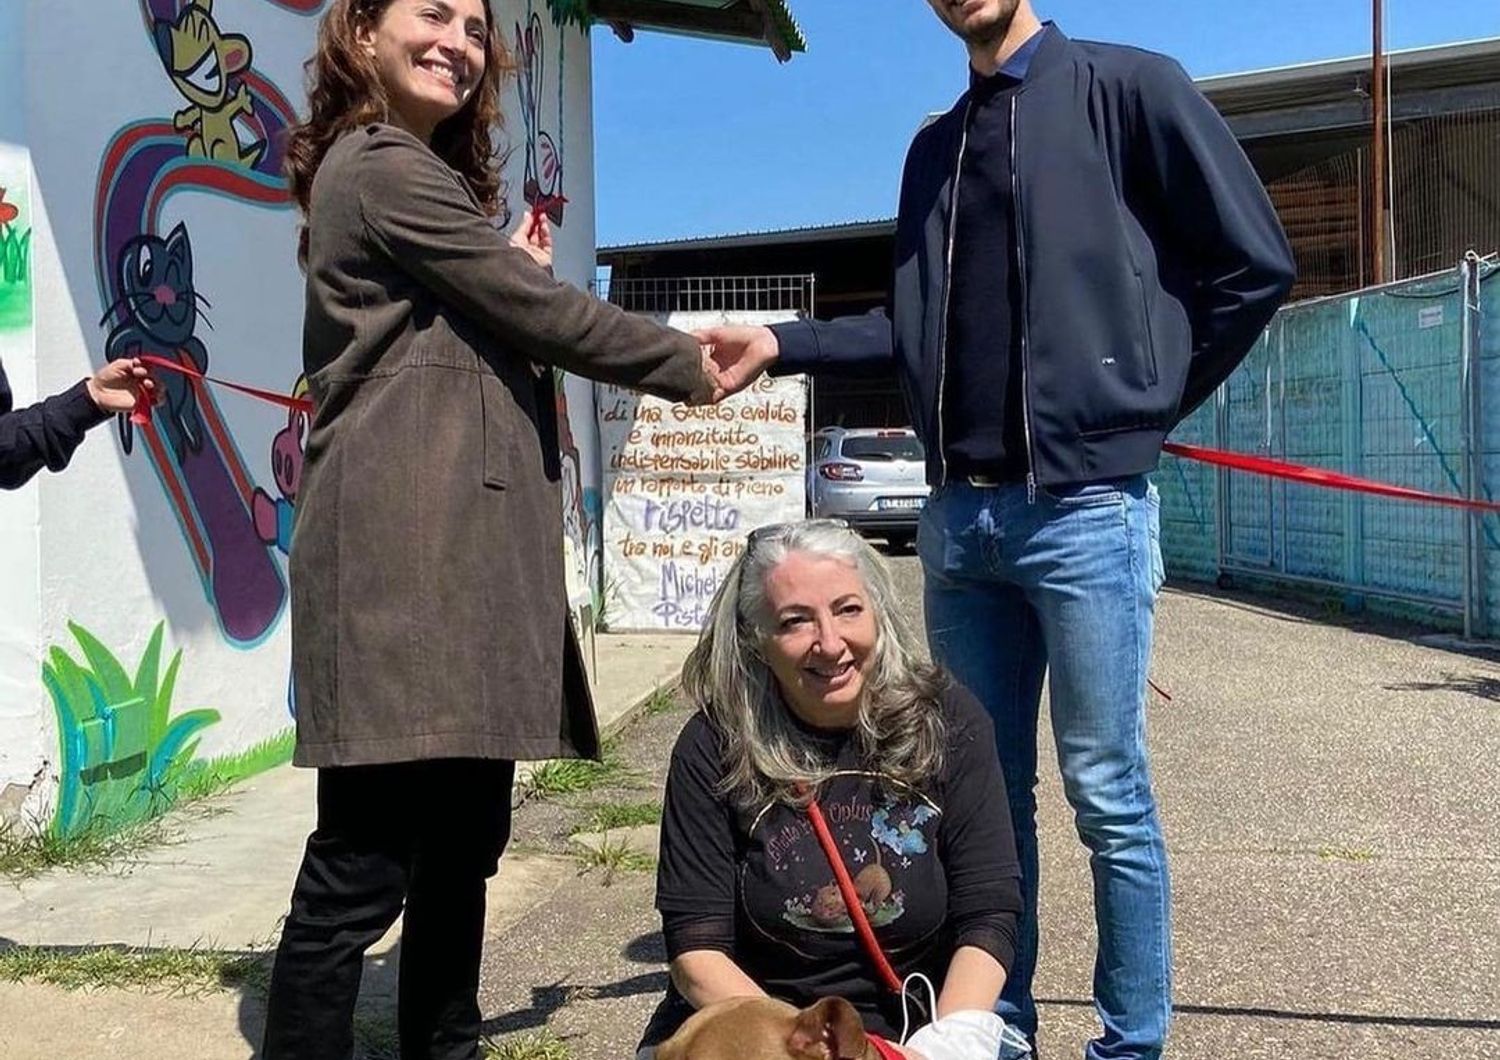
1399 383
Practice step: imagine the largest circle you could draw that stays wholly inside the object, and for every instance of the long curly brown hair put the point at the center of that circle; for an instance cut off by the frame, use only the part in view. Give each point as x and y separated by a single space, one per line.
344 92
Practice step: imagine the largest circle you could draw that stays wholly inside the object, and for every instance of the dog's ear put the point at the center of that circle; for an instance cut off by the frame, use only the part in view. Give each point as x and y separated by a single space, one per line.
829 1030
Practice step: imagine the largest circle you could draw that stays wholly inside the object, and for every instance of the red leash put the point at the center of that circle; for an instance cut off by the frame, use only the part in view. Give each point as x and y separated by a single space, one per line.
862 927
856 912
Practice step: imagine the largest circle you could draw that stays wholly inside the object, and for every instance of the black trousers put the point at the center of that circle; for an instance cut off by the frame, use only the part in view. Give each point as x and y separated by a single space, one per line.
423 835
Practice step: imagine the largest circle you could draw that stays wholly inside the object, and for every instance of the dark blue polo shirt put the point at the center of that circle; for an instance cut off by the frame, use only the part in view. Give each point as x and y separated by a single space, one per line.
983 425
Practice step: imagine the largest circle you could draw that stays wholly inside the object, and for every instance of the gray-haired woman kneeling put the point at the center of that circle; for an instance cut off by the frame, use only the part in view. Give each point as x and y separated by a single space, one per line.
811 687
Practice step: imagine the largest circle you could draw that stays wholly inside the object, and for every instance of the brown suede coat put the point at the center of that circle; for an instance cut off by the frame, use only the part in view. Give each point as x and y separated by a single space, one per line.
429 617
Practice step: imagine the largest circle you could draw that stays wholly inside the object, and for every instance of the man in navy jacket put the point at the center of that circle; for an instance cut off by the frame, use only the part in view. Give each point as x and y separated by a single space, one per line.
1083 254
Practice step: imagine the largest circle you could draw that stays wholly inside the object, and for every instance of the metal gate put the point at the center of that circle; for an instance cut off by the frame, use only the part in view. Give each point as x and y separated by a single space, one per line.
1385 383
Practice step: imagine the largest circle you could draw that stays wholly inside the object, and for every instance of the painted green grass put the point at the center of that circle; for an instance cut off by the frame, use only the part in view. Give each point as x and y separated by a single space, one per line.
26 852
207 777
15 254
15 277
123 750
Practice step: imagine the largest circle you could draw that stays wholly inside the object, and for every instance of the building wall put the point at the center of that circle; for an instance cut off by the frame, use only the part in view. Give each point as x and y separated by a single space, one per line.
171 538
19 586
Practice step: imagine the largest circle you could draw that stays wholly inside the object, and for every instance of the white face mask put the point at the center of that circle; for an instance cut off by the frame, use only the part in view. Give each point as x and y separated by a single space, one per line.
969 1035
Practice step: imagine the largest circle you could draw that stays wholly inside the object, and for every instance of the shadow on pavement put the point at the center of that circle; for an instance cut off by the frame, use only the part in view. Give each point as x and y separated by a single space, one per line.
1362 1018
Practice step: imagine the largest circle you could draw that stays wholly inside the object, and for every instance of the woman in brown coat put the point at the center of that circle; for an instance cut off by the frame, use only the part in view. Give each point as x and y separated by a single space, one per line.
430 639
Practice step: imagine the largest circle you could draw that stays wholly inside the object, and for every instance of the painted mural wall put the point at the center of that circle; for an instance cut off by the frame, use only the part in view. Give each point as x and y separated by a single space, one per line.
19 572
147 649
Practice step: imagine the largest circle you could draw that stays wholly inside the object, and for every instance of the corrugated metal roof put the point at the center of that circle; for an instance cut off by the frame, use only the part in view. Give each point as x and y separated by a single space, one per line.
807 234
1305 84
770 22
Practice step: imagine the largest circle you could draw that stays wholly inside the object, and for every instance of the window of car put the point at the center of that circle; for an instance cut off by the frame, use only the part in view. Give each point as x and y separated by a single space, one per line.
887 447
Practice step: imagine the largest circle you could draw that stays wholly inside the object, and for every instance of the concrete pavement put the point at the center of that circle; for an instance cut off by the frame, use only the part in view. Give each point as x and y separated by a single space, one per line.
1330 793
224 884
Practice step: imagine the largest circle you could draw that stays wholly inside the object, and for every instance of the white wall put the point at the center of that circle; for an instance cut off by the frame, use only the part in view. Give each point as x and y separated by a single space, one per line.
111 550
20 732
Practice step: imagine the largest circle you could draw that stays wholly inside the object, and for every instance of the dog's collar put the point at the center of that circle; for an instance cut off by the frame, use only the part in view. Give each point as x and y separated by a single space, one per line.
886 1050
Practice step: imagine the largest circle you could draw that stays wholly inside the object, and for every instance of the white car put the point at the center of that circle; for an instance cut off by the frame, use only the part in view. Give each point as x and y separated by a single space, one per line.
875 479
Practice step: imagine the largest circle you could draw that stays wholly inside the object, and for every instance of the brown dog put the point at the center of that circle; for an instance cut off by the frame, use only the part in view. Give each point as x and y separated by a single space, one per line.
762 1028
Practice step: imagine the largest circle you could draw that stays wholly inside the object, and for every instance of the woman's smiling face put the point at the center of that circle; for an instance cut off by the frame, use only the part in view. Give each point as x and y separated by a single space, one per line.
430 56
821 637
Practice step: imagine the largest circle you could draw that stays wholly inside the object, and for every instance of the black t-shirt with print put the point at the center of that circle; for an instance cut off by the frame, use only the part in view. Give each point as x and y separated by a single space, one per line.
936 869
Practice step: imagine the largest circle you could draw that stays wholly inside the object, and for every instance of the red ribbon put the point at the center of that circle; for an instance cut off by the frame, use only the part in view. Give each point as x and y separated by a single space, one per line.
141 414
1257 465
1316 476
540 208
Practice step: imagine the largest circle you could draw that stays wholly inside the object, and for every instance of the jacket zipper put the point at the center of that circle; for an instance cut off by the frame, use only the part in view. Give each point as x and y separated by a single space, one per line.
958 169
1015 205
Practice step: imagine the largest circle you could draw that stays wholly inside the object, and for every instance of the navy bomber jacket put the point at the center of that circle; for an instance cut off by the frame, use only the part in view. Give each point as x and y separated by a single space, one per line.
44 434
1150 260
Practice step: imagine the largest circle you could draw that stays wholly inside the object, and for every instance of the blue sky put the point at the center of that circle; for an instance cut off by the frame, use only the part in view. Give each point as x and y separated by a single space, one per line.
701 138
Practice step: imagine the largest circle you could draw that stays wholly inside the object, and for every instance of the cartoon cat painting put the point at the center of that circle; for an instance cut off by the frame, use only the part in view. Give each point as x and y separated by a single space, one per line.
155 312
159 312
201 59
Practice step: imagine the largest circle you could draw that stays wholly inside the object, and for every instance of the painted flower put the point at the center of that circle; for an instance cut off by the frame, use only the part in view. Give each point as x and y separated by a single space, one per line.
8 211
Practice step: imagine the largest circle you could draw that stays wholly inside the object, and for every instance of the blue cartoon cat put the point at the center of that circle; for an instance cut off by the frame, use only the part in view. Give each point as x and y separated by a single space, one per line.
158 314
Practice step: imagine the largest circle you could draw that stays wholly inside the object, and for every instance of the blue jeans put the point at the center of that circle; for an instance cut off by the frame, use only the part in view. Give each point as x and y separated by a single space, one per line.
1069 581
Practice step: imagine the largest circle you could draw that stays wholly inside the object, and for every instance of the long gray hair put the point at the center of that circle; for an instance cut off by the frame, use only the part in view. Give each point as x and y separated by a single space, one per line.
899 730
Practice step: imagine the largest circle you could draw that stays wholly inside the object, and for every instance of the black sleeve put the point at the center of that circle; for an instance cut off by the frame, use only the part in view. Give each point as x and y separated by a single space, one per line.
695 871
977 844
1218 219
848 344
44 434
685 932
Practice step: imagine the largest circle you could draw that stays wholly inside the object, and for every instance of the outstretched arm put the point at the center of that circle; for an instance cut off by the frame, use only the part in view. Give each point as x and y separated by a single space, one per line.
742 353
417 213
45 434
